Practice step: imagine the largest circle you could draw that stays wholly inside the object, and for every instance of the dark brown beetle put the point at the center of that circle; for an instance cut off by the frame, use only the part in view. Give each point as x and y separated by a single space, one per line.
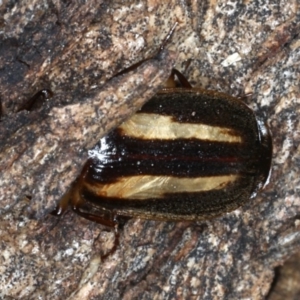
188 154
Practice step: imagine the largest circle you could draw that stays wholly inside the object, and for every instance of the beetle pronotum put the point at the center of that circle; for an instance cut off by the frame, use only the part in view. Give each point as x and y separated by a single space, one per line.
188 154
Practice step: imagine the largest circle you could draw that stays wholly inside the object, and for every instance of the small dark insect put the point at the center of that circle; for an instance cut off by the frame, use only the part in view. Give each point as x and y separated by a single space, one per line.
188 154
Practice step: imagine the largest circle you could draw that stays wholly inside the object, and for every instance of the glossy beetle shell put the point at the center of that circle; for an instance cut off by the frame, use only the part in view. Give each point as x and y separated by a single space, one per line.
188 154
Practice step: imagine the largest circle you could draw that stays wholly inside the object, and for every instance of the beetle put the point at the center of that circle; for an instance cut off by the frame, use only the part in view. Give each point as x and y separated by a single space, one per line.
187 155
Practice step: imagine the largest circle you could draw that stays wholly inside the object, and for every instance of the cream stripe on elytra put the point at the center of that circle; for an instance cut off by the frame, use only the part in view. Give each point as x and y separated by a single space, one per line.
146 186
154 126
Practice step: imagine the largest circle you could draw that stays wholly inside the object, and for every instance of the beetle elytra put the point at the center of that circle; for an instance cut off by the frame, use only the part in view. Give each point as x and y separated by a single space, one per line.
188 154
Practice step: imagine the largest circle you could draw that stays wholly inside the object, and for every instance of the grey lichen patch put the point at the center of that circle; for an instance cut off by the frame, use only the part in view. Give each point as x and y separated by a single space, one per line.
238 37
277 90
35 252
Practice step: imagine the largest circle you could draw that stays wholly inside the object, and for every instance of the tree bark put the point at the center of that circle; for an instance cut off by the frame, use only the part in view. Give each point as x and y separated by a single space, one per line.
74 50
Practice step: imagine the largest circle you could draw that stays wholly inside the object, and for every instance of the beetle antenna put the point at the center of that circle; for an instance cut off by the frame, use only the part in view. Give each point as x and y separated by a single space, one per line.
162 47
168 37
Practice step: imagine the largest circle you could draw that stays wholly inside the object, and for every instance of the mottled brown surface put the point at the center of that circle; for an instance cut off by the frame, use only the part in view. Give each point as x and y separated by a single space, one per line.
237 47
286 282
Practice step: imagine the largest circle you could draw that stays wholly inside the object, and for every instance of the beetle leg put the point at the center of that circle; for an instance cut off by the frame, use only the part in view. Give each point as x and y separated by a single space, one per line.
168 37
161 48
181 80
106 220
62 206
115 246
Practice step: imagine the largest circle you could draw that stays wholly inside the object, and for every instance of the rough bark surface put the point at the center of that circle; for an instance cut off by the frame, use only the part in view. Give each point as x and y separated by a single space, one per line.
286 281
74 49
